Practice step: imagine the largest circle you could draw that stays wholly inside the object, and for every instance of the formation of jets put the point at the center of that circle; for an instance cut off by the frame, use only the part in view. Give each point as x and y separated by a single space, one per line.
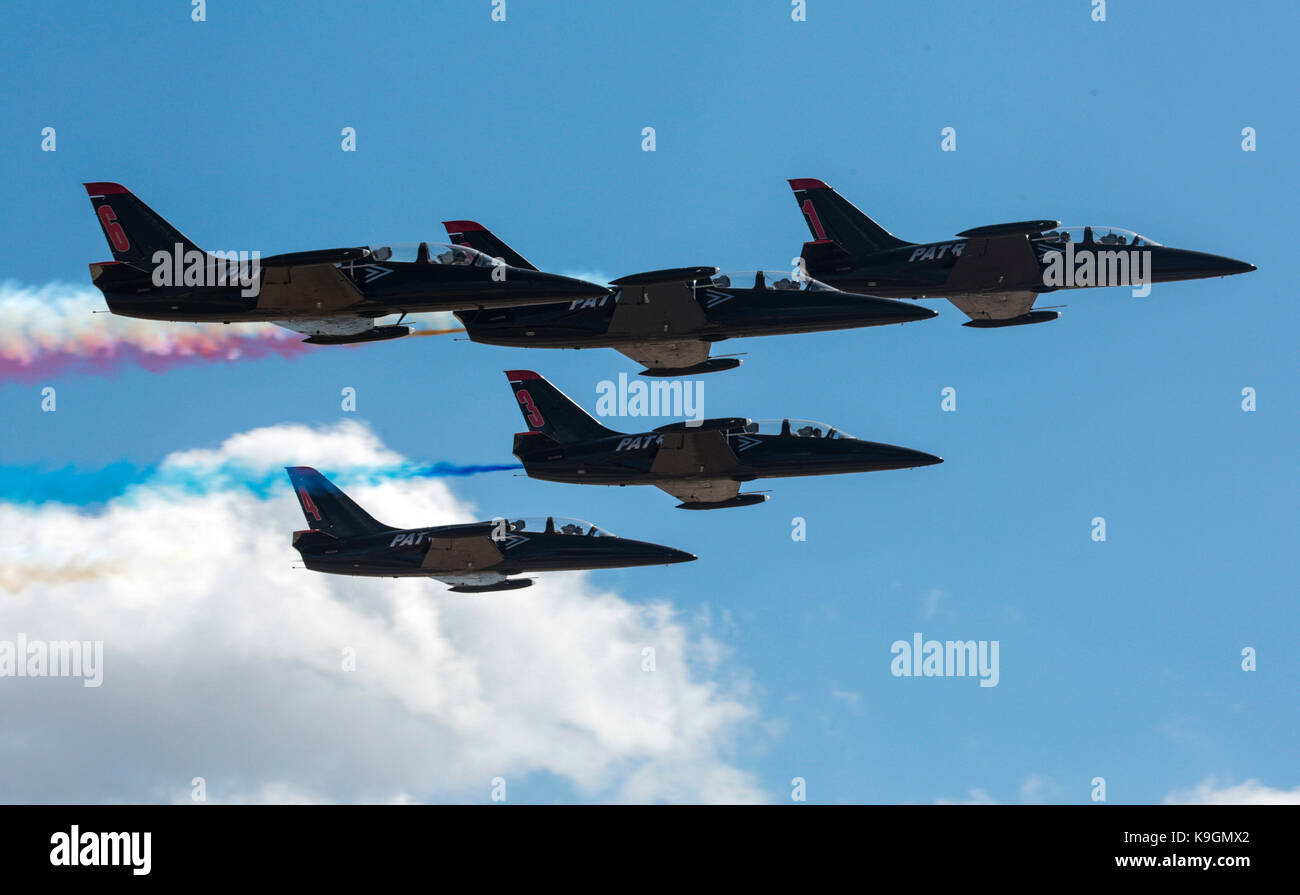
852 273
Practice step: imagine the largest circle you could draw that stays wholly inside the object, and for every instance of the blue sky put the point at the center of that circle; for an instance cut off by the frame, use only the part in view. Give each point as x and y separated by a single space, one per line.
1118 659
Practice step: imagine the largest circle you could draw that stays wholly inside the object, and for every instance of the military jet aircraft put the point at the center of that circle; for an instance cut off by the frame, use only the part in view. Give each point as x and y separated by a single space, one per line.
703 464
478 557
668 320
992 274
333 296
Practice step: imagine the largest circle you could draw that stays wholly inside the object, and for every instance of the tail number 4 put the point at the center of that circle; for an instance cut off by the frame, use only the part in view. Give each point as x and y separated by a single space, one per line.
531 413
308 505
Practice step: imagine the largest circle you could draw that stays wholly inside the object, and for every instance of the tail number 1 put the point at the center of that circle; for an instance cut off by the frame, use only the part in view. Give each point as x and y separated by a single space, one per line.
813 219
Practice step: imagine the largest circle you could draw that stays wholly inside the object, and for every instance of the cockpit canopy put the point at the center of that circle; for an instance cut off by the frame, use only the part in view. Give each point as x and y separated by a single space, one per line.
431 253
772 280
559 525
1108 236
797 428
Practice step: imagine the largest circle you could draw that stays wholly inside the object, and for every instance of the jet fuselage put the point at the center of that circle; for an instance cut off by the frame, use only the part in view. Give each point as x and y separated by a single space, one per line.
925 270
630 459
727 312
448 551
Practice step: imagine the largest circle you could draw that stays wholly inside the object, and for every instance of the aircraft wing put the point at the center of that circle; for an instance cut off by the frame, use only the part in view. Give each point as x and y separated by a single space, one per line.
471 552
308 287
656 308
994 305
667 355
660 319
997 261
694 452
702 490
321 299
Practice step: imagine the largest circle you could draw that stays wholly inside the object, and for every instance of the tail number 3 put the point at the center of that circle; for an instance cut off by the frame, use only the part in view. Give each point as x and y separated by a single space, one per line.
531 413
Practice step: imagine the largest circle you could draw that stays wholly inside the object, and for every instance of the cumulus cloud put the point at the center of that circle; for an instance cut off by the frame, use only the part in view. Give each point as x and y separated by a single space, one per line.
1211 791
224 661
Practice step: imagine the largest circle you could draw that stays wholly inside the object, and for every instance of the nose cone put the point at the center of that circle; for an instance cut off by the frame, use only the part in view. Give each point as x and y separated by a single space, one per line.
911 458
1179 264
916 312
879 311
643 553
891 456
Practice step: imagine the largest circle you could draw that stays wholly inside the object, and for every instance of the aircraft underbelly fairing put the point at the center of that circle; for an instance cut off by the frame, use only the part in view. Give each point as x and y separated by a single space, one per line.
994 305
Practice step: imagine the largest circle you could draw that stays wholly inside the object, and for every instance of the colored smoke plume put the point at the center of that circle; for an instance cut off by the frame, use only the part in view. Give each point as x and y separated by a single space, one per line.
59 328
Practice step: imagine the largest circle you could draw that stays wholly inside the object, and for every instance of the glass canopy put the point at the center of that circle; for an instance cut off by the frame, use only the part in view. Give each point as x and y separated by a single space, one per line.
559 525
795 427
1116 236
431 253
771 280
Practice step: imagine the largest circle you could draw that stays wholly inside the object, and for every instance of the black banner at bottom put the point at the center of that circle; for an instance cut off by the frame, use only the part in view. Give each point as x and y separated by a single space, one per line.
334 843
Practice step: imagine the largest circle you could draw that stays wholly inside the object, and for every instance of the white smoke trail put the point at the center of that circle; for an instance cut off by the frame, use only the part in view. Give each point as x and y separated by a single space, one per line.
61 327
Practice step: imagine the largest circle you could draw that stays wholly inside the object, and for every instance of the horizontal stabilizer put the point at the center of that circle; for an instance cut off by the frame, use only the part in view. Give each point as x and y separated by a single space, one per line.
823 256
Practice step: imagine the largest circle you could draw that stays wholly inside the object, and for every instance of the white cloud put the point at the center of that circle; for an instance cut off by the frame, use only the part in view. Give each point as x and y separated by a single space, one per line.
850 698
1211 792
974 797
222 661
933 601
1036 789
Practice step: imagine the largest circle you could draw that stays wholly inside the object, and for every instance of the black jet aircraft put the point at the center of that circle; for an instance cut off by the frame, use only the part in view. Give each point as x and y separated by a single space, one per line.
477 557
703 464
992 274
668 320
334 296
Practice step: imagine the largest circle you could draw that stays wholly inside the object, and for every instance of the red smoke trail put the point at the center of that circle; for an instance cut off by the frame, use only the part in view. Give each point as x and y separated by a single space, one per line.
53 330
111 358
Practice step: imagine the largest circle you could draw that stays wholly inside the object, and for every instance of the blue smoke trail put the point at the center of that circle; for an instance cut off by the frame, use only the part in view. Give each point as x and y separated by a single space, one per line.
81 488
